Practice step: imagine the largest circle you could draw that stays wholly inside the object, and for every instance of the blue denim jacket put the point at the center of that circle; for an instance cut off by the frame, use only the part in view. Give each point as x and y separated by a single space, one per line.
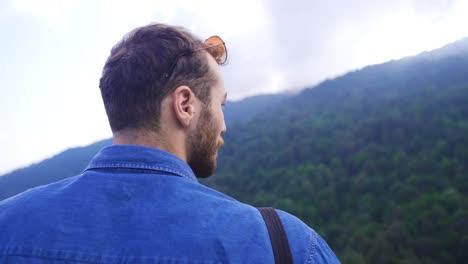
142 205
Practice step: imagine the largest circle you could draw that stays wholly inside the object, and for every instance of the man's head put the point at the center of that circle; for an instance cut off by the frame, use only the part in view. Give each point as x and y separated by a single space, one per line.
161 80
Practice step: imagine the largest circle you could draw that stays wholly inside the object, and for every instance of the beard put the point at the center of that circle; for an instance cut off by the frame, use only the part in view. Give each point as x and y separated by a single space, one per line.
203 145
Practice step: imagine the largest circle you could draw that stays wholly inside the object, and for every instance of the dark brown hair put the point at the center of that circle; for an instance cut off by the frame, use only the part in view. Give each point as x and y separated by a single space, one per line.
133 82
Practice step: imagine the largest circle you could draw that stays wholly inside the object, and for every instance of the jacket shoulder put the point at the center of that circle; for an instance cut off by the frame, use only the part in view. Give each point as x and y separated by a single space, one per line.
307 246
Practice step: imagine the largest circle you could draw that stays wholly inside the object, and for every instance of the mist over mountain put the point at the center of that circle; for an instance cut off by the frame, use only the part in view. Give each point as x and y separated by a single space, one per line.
375 160
243 111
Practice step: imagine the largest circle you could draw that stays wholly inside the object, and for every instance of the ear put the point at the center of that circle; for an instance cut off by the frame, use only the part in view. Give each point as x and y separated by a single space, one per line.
183 104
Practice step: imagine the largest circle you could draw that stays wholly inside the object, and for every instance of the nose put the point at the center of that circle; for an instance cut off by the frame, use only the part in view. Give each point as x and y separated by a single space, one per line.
224 130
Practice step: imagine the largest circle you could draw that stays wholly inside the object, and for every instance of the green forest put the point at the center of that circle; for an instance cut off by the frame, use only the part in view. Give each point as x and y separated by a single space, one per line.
376 161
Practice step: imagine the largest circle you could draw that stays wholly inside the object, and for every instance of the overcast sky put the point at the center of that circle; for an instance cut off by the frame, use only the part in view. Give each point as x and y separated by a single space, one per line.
52 53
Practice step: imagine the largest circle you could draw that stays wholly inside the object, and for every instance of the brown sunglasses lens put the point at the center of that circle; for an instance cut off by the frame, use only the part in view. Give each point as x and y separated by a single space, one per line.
217 49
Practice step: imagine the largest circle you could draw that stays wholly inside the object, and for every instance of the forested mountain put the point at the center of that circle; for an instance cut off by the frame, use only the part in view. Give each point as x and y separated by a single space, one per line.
375 160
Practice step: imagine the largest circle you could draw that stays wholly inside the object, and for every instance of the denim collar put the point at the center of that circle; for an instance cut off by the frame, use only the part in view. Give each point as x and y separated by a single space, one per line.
140 157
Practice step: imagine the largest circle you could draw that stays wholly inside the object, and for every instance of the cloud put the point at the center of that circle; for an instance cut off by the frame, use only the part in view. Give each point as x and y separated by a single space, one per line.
305 42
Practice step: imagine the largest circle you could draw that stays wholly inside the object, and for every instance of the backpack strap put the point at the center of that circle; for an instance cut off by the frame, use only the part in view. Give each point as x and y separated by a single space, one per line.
279 240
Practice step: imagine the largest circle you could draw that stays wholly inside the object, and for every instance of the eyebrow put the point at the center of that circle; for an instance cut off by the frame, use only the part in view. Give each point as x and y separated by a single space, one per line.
225 96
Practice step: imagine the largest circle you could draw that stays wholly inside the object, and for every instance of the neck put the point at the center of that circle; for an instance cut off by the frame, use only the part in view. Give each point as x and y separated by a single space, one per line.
150 139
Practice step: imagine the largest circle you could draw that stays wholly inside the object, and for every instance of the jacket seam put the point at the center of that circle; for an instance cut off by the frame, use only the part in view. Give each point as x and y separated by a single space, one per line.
141 166
312 248
103 259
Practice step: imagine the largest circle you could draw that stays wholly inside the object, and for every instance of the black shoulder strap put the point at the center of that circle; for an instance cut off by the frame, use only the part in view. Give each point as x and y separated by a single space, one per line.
279 240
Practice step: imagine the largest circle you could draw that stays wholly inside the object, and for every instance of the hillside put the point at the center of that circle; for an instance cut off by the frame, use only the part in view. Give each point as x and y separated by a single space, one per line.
375 160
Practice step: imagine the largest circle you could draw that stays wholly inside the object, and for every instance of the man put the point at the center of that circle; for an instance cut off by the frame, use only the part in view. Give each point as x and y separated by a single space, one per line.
139 200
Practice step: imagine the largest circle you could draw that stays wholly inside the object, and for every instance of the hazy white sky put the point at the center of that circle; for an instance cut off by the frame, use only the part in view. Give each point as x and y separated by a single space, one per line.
53 52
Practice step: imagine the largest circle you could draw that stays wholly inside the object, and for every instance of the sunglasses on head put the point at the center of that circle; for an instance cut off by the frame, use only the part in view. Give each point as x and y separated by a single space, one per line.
213 45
